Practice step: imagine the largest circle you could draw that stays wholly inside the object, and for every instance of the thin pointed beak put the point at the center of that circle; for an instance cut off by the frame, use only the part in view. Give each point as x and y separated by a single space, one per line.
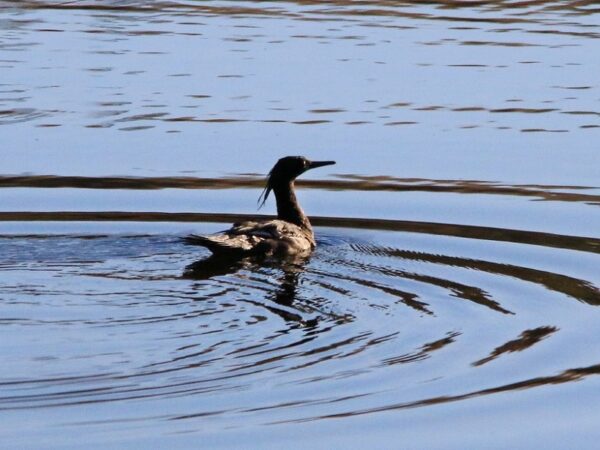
315 164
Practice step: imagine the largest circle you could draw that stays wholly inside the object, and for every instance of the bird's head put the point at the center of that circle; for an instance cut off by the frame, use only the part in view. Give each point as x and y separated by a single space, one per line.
287 170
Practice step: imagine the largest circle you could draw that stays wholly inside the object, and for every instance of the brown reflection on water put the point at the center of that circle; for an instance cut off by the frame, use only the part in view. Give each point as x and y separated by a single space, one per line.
575 288
566 376
551 240
424 352
344 182
527 339
526 19
406 298
457 289
143 6
330 112
375 8
19 115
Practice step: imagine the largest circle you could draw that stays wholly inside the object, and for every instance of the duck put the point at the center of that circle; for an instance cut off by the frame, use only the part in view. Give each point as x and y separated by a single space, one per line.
289 235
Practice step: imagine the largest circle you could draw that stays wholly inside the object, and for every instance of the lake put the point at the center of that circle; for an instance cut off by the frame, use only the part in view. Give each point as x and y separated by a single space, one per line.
452 300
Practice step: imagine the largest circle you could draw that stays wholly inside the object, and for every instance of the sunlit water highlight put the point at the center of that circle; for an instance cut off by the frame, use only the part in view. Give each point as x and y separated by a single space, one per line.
452 301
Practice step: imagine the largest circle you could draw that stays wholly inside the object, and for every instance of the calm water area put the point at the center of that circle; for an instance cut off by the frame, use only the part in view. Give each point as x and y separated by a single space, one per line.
453 300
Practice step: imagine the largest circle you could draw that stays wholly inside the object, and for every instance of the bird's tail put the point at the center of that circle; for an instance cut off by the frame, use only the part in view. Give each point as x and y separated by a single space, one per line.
213 243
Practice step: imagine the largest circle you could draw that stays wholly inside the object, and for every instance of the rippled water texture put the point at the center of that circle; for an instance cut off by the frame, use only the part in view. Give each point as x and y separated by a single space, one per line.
452 301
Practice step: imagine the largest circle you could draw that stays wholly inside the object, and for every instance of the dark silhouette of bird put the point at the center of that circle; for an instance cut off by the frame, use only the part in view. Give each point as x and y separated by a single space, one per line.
289 235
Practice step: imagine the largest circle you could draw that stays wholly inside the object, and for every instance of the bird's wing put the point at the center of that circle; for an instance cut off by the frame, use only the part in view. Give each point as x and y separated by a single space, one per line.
224 243
268 229
267 236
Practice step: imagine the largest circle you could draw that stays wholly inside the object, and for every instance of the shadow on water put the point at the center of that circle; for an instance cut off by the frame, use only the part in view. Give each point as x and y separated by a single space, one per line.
214 265
290 271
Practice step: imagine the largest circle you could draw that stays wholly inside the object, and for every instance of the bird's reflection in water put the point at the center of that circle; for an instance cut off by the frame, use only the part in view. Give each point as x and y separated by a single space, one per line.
286 294
214 266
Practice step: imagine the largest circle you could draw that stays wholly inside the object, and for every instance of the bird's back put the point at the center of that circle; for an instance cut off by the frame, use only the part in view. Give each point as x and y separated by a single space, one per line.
271 237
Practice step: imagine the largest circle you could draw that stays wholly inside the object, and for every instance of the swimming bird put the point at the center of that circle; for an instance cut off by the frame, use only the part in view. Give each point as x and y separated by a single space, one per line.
288 235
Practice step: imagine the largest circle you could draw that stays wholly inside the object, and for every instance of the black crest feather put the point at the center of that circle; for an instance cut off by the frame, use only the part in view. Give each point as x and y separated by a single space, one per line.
266 191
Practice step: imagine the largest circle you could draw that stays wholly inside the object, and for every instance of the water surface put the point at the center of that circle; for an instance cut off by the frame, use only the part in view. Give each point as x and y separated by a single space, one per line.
453 298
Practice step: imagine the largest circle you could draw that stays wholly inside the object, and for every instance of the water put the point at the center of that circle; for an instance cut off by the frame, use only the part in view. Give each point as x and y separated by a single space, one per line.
453 297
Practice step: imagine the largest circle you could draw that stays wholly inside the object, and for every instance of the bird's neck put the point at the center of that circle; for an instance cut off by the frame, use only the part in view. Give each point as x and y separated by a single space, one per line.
288 208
